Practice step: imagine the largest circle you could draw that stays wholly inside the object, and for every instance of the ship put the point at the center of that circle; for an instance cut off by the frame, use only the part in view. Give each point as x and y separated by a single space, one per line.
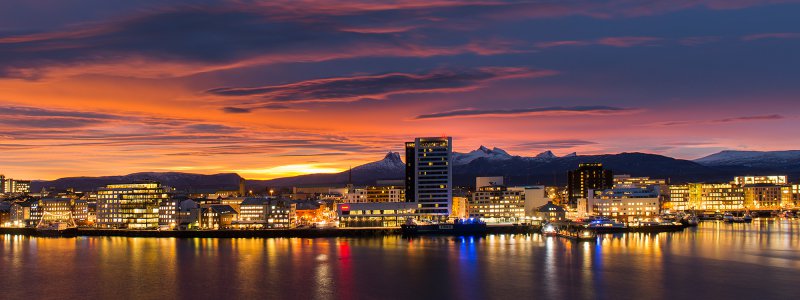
606 225
652 227
458 227
56 225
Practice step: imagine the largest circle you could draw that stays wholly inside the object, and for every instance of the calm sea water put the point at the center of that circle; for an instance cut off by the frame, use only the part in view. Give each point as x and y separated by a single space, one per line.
715 261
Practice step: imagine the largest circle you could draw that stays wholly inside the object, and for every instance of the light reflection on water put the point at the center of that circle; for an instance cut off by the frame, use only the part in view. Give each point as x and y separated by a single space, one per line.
712 261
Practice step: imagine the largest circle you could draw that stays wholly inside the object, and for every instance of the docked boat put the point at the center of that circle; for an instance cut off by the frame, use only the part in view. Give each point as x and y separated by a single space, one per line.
746 218
57 229
656 226
458 227
606 225
579 234
549 230
727 217
56 225
690 220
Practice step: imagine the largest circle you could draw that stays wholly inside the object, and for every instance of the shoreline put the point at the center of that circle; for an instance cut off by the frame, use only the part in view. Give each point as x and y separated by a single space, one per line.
263 233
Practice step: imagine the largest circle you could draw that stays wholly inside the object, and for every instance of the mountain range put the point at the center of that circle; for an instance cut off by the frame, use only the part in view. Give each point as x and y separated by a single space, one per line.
544 168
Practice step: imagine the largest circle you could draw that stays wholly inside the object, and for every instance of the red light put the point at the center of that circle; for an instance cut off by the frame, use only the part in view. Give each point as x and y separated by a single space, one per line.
345 207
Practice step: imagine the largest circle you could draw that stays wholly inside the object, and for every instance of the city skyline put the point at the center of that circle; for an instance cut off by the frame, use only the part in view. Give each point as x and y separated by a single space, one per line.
275 89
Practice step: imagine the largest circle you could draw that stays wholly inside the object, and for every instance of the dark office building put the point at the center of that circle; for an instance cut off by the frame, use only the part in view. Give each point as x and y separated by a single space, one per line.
411 160
588 176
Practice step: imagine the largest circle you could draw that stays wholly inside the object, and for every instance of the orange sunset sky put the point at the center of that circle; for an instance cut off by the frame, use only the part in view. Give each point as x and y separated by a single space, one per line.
270 89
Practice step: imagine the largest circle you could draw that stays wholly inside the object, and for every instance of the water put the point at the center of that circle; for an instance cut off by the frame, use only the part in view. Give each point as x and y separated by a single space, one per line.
716 260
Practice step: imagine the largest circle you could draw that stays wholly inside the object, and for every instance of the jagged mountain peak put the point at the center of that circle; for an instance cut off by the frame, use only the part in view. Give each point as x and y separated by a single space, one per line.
546 155
393 156
573 154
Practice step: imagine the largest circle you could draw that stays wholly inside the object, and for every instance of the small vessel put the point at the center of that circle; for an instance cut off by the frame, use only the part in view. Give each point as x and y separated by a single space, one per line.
727 217
606 225
56 225
458 227
57 229
690 220
746 218
656 226
578 233
549 230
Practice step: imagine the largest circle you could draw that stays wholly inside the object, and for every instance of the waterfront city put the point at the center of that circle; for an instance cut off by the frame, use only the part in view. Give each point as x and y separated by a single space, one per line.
399 149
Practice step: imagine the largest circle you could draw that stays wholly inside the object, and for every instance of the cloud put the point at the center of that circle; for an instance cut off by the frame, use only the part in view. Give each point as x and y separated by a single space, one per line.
180 40
772 35
236 110
186 40
353 88
244 110
556 110
619 42
723 121
556 144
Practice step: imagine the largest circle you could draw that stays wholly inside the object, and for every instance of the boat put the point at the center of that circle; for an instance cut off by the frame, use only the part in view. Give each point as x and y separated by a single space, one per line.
746 218
56 225
655 226
689 220
727 217
57 229
549 230
458 227
606 225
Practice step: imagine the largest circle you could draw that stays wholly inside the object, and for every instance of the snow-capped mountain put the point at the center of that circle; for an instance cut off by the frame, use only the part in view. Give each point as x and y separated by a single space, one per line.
481 152
390 164
546 155
752 158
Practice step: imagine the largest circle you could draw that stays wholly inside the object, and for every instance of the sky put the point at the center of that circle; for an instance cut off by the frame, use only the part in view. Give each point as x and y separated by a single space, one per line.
278 88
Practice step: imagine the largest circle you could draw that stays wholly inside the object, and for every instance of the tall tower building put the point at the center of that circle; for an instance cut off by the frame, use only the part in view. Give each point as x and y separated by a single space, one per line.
588 176
429 176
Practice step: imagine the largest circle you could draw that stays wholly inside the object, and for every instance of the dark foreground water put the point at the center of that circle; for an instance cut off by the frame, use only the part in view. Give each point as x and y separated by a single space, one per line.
715 261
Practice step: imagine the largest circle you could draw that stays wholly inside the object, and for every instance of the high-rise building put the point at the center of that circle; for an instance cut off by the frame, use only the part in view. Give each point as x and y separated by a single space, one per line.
130 205
588 176
429 176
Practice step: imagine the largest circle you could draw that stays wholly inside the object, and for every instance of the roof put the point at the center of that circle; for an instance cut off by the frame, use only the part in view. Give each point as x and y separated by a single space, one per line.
254 201
223 209
550 207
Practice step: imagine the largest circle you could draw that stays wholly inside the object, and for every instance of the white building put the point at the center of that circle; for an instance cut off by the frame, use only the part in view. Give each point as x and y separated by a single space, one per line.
625 204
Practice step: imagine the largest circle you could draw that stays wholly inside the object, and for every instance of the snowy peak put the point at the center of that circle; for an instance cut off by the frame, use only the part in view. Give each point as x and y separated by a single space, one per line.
546 155
393 157
482 152
389 162
573 154
750 158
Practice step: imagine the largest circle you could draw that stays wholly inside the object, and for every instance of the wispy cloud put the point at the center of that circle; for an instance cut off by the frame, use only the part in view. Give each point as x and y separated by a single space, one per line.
353 88
556 144
539 111
723 121
771 35
619 41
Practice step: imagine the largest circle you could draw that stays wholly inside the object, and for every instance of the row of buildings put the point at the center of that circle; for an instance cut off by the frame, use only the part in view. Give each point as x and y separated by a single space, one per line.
150 205
13 186
426 193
